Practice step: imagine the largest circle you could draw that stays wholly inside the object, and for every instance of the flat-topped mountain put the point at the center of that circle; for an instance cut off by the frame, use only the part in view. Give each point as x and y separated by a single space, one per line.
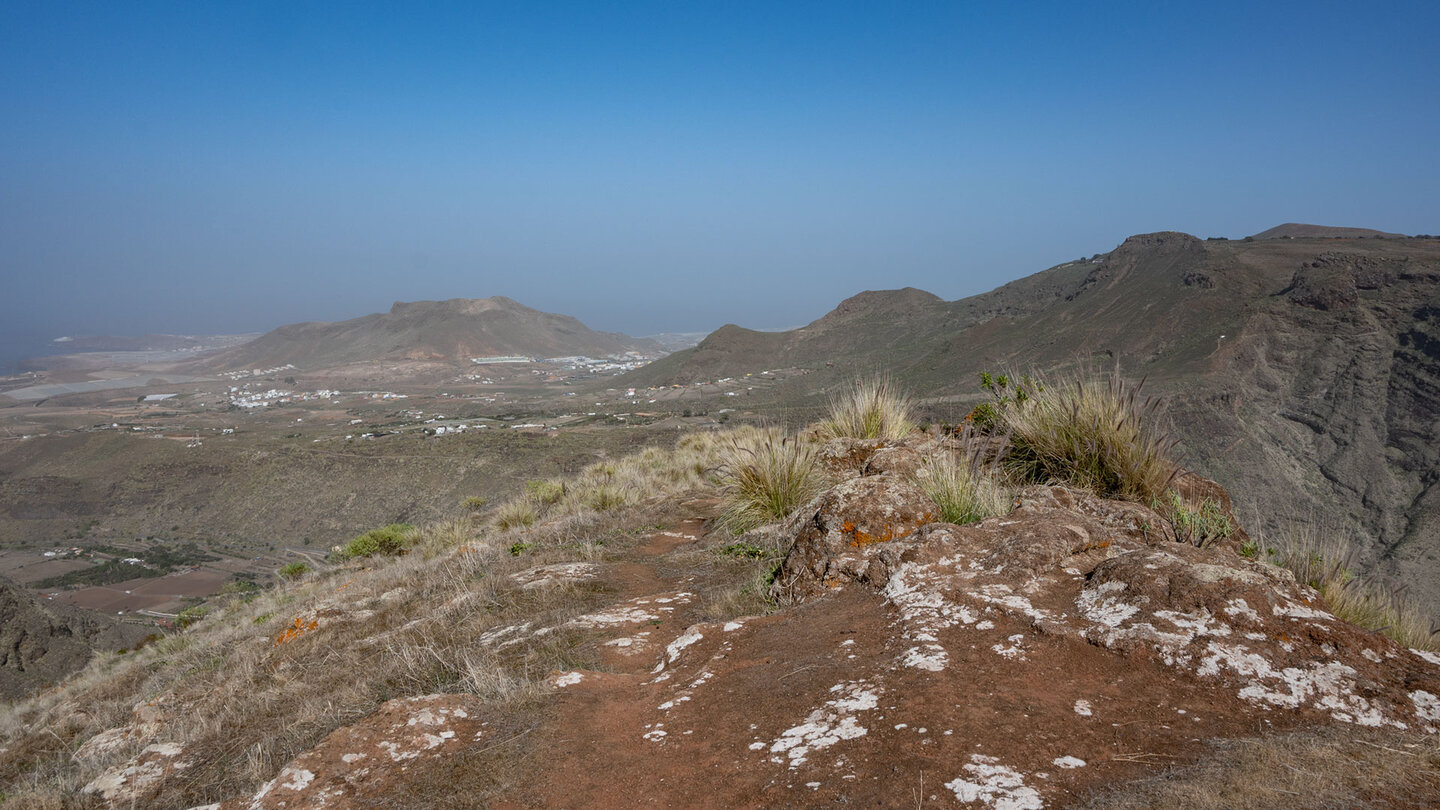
1296 230
450 331
1302 373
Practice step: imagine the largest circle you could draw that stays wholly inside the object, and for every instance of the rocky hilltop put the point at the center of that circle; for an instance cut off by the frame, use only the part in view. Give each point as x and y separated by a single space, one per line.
1058 654
1301 368
450 331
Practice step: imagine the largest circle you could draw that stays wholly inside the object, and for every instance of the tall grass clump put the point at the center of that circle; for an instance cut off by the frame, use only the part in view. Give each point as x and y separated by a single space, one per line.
963 488
870 409
765 477
1098 434
1326 562
515 514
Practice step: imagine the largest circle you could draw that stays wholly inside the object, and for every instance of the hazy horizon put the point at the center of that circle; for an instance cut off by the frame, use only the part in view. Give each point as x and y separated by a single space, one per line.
198 169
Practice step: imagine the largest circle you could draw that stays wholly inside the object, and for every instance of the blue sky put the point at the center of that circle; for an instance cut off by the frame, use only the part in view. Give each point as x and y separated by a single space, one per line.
223 167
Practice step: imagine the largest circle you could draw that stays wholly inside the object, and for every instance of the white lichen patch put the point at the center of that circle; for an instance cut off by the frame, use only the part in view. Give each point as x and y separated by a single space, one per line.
565 679
1098 604
1083 708
988 782
827 725
1068 762
615 616
1014 650
124 784
1328 686
1427 656
1241 609
674 648
1293 610
731 627
546 576
1427 706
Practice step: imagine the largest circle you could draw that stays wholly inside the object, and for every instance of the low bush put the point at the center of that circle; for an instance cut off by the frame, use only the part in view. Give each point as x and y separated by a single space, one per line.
765 477
475 503
294 570
386 541
871 409
1202 525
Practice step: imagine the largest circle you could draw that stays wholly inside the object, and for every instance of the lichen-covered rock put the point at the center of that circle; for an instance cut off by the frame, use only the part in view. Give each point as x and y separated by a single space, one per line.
356 765
1069 564
846 458
837 535
897 460
134 783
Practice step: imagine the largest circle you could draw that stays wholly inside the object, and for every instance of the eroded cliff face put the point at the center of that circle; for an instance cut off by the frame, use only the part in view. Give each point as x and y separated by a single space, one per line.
1324 409
42 644
1020 662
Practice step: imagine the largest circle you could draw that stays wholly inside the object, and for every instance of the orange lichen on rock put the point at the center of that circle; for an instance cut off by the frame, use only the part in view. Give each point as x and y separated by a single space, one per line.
860 538
296 630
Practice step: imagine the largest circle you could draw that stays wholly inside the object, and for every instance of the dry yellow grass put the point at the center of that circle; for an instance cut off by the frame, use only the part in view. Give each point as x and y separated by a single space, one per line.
260 681
1338 767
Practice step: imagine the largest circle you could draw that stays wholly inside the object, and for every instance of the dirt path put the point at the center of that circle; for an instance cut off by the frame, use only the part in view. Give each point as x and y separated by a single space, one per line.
816 705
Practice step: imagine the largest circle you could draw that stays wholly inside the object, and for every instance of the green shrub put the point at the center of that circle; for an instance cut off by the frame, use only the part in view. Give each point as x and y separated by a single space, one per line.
1202 526
475 503
294 570
191 615
765 478
1095 434
963 489
388 541
746 551
870 409
516 549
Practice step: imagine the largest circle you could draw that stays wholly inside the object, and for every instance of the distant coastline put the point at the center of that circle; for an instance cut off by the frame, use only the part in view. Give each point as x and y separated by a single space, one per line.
18 346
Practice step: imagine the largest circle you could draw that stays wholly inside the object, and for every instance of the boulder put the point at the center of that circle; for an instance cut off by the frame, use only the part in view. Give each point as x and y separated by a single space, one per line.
838 534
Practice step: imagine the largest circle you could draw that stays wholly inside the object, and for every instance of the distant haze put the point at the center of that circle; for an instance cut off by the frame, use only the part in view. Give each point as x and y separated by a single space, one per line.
212 168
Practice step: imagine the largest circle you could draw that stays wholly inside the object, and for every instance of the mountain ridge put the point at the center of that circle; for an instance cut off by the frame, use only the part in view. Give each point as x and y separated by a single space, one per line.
1297 371
448 331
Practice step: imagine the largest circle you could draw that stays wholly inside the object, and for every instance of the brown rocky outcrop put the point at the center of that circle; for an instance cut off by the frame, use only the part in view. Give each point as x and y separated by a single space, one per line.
834 536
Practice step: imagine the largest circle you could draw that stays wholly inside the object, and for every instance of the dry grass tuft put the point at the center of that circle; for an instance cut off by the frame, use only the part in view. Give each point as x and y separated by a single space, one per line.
1093 433
870 409
518 513
1339 767
766 476
964 486
1325 561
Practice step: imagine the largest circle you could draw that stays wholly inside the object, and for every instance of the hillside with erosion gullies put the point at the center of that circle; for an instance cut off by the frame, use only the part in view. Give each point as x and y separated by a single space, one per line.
1040 610
445 332
1302 372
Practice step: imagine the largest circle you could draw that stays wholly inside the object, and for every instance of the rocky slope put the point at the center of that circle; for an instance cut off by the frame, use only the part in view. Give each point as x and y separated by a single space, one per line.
450 331
1304 374
1024 662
